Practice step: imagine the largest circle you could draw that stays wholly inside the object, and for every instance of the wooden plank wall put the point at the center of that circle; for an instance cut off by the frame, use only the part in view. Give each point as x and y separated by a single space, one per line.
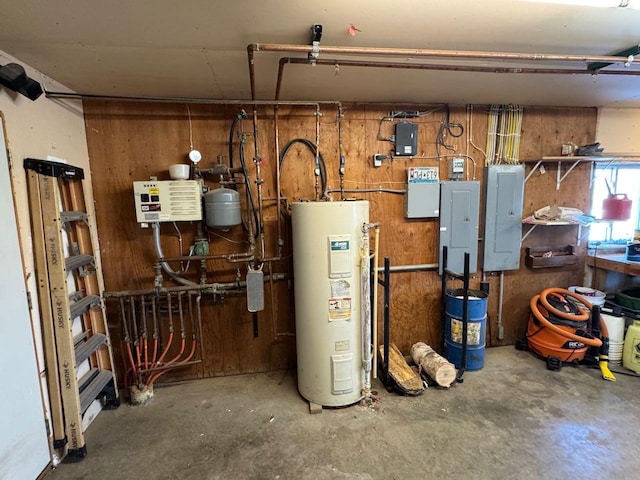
132 141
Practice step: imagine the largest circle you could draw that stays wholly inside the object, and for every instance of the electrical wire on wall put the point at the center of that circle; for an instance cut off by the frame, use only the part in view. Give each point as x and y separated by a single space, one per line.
504 127
447 128
400 115
469 119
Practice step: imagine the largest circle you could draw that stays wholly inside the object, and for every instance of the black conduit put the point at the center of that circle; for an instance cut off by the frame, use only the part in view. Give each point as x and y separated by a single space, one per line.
316 154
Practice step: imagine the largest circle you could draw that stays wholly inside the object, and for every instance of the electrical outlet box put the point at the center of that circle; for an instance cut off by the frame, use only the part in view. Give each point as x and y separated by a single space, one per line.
406 139
504 187
456 168
422 199
167 201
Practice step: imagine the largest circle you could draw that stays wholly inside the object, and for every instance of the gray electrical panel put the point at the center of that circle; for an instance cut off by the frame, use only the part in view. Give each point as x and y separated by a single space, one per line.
459 211
422 199
504 187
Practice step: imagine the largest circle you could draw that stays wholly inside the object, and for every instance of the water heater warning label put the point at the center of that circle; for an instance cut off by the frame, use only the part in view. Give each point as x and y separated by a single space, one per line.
339 309
340 289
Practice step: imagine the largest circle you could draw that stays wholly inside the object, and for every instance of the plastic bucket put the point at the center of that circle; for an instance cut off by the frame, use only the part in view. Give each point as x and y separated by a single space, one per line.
615 327
476 328
616 350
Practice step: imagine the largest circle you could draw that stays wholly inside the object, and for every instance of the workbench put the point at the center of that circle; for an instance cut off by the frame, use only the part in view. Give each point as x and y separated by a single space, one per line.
611 272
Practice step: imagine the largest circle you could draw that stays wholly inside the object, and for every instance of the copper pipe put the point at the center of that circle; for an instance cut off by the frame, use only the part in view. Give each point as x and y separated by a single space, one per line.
317 171
426 53
252 78
454 68
259 181
283 61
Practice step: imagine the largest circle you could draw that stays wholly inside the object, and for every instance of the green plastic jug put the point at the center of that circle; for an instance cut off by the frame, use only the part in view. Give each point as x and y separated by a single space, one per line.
631 352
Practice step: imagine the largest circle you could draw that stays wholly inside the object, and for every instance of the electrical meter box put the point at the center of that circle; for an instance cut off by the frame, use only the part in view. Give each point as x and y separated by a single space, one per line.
456 168
406 139
504 187
459 211
167 200
422 199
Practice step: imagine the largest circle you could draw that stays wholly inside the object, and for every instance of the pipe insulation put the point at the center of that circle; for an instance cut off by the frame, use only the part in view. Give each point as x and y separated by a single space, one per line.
427 53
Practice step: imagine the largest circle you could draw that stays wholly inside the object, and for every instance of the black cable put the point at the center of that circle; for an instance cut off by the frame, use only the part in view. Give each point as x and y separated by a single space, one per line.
316 154
453 129
231 132
248 187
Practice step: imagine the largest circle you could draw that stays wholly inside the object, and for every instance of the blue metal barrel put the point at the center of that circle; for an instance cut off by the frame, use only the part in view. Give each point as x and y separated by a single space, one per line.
476 329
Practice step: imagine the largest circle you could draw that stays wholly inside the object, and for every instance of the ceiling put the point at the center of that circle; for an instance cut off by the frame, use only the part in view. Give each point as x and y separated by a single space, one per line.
198 48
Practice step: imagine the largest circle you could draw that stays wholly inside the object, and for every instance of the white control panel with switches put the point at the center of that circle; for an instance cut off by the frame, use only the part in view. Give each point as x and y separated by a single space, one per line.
168 200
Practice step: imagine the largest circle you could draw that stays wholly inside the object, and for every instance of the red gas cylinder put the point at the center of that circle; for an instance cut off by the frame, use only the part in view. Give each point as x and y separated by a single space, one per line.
616 207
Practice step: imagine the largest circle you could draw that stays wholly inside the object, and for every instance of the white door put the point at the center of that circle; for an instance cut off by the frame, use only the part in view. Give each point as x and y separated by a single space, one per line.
24 448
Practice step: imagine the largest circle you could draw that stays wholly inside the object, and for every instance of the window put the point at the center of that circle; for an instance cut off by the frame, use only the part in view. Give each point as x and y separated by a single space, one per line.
623 178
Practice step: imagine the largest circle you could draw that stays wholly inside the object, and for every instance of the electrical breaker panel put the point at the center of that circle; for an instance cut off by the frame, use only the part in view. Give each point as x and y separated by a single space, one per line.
422 199
459 211
167 201
504 187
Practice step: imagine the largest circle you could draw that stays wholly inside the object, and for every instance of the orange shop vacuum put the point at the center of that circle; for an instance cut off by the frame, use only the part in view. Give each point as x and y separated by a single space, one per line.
564 328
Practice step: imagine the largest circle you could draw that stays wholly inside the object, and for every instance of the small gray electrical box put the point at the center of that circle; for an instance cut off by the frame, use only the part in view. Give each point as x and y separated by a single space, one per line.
406 139
422 199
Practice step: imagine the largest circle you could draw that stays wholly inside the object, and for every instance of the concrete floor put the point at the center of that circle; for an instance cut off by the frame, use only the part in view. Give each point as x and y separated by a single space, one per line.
512 420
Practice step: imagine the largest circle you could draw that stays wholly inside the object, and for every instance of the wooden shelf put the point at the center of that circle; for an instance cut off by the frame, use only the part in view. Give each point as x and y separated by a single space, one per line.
576 160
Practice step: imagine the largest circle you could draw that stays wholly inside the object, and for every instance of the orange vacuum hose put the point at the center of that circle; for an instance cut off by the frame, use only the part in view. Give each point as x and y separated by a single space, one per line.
593 342
560 313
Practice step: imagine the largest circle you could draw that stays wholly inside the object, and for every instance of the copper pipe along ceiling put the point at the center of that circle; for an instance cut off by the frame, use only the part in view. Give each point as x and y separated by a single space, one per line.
424 53
430 66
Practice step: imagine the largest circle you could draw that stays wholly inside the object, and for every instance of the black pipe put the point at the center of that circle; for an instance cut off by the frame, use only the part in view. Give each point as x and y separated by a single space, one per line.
255 325
387 279
443 310
465 319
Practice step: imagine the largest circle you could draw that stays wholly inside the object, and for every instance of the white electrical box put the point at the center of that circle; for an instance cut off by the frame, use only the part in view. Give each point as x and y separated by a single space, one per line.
167 201
456 168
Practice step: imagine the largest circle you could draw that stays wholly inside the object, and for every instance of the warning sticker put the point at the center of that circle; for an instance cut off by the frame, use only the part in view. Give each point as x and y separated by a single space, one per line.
342 345
473 332
340 289
154 191
339 309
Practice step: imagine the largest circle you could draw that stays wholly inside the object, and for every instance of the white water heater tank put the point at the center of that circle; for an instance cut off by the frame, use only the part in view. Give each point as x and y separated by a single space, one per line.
327 240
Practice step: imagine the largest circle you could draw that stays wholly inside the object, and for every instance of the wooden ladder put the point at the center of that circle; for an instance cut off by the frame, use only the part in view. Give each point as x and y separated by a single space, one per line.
74 328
